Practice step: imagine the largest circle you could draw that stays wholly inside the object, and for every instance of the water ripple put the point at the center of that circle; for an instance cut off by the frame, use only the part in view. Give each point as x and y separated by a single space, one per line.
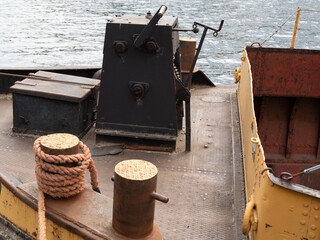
71 33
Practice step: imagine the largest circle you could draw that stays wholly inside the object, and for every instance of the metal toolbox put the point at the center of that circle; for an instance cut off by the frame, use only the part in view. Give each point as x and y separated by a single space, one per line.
51 102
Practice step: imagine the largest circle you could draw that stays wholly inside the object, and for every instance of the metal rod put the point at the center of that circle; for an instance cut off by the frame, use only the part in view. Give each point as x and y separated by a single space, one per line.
295 28
159 197
33 76
288 176
24 76
196 56
188 126
188 82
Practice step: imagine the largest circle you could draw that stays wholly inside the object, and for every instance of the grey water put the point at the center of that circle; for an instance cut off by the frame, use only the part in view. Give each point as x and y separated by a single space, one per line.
58 33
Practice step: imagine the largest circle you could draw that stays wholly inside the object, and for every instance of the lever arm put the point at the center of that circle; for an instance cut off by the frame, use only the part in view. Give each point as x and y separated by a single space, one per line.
145 32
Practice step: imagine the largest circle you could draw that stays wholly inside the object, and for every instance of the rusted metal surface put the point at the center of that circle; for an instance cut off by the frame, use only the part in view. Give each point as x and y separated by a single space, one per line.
276 209
203 187
286 87
134 202
187 50
147 148
54 150
273 124
303 137
285 72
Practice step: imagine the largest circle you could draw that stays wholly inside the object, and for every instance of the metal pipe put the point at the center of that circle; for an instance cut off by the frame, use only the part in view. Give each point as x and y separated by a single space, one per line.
196 57
25 76
188 126
159 197
295 28
162 10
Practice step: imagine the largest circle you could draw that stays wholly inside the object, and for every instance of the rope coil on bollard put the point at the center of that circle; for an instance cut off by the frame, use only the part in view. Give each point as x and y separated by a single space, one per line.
61 176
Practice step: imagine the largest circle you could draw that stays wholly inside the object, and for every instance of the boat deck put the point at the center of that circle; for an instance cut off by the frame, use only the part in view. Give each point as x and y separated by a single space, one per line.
205 186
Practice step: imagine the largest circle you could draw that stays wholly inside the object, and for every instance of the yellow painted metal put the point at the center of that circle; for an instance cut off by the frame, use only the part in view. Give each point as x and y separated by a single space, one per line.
295 28
247 222
237 75
25 219
277 212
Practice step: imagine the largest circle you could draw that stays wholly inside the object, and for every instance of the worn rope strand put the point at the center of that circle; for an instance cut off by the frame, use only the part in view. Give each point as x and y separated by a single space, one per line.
61 176
309 10
278 29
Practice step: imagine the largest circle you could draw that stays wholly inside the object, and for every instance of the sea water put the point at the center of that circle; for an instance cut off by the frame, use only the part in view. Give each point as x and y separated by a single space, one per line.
58 33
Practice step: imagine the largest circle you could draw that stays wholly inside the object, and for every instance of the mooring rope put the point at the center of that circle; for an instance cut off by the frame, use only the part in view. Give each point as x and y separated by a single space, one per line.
309 10
285 21
61 176
279 28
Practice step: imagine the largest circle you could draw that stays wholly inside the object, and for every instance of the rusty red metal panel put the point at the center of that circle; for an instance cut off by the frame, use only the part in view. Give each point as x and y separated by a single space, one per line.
273 125
286 87
285 72
318 153
304 130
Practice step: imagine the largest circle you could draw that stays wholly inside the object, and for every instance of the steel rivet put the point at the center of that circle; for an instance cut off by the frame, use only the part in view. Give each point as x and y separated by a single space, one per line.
316 217
312 235
313 227
316 207
305 213
302 222
291 208
306 204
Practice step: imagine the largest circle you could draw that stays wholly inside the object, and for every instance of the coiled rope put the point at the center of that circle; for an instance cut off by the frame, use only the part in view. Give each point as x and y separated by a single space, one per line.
61 176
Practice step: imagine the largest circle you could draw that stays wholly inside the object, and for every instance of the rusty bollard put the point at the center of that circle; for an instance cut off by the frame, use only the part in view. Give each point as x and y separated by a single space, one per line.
60 143
134 196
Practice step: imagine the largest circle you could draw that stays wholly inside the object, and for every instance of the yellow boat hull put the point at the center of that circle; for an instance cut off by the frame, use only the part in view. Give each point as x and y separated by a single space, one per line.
276 209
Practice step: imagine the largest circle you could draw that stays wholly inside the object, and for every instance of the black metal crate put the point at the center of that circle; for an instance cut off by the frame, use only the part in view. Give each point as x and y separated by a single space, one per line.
56 103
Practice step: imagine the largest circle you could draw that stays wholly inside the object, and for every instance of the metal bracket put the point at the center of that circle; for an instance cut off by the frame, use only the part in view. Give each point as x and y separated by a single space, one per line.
120 47
138 89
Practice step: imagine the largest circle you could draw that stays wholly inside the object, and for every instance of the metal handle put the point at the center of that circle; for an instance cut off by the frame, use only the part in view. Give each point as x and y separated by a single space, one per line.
188 82
246 223
159 197
286 176
215 31
139 41
195 30
162 10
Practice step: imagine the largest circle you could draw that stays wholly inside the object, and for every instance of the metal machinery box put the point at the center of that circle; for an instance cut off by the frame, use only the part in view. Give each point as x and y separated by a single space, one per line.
50 102
137 96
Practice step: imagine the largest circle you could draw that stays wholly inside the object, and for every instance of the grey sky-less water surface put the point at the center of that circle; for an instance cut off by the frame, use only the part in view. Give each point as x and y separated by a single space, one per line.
57 33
